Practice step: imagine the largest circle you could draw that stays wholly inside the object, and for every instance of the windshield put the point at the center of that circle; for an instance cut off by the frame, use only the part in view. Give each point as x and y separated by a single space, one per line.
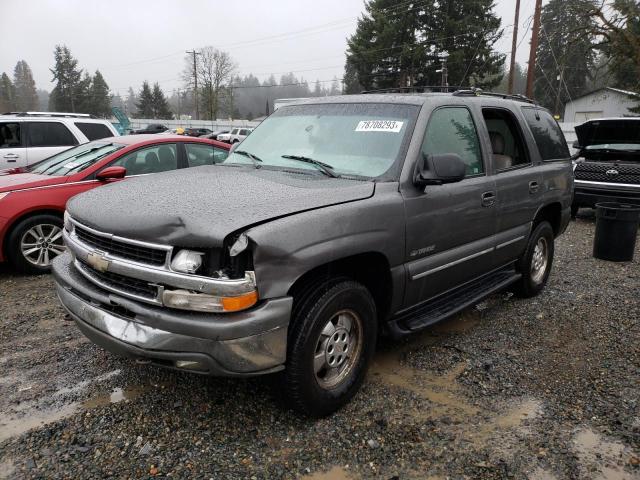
75 159
362 140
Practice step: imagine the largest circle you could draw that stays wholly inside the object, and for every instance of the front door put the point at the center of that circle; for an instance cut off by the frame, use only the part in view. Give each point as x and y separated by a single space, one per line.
12 145
450 227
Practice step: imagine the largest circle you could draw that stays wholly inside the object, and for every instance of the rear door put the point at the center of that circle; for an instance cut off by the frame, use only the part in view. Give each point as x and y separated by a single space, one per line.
13 152
45 139
519 181
450 227
199 154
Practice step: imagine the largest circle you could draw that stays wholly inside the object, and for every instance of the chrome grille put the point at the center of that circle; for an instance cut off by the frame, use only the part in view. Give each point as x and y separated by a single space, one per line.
129 251
597 172
120 284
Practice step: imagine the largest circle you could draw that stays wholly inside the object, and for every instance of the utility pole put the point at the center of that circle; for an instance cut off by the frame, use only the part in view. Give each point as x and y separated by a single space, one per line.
443 69
195 80
535 31
556 110
514 45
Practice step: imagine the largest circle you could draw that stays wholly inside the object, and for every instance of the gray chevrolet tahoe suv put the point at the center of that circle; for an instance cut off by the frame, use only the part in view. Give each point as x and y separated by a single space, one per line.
336 221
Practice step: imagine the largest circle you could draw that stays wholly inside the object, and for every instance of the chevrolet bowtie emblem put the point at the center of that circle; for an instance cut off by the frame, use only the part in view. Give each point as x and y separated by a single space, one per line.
98 262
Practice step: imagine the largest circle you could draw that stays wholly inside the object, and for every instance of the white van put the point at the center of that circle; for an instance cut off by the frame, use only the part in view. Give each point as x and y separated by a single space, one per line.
28 137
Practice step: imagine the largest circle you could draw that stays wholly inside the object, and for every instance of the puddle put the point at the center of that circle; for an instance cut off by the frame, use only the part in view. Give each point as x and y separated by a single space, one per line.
80 386
33 417
336 473
116 395
12 427
605 458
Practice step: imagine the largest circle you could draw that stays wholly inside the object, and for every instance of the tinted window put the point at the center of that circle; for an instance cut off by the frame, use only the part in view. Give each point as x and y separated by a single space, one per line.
159 158
547 134
451 130
50 134
200 154
75 159
94 131
10 135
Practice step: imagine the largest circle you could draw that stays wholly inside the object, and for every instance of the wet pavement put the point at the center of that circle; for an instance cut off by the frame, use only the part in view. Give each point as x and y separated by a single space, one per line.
544 388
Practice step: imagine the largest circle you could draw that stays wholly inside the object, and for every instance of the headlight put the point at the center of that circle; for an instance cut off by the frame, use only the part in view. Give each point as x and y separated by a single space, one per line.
202 302
187 261
2 195
68 224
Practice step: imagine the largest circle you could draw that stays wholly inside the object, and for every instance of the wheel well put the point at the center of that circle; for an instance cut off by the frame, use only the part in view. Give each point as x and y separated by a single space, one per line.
552 213
5 241
370 269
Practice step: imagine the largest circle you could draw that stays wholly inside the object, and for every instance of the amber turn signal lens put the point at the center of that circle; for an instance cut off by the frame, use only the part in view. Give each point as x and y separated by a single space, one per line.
242 302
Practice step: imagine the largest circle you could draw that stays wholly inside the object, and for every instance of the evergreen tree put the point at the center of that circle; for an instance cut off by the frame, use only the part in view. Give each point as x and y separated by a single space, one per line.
100 100
7 94
131 102
160 104
65 96
399 46
566 55
144 105
26 97
617 26
84 102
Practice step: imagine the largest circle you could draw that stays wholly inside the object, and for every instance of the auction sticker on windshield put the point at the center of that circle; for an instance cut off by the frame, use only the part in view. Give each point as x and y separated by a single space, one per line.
379 126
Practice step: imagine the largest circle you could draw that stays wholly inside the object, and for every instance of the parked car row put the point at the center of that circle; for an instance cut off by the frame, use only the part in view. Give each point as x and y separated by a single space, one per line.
231 136
33 197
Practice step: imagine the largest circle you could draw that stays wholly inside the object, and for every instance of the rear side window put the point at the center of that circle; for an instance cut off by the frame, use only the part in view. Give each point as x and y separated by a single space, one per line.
50 134
547 134
10 135
94 131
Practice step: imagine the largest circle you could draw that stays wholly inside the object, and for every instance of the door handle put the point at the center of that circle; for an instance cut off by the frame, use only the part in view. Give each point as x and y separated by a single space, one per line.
533 187
488 199
11 157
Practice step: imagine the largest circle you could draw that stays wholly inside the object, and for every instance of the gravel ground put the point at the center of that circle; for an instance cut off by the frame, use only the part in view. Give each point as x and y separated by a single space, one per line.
544 388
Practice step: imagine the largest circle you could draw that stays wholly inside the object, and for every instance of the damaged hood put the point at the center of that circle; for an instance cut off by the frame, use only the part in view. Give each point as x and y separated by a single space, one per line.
199 207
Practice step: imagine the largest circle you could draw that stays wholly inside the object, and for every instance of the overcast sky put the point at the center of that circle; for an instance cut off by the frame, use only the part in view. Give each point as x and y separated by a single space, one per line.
130 41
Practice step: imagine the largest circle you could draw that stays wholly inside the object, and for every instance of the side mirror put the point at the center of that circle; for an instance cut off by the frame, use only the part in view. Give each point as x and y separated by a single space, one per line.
110 173
439 169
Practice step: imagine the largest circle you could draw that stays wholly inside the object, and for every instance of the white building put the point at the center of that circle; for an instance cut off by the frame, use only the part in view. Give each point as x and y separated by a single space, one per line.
601 103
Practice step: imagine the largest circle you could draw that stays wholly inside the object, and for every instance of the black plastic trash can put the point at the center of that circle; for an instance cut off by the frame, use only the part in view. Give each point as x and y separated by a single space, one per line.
616 231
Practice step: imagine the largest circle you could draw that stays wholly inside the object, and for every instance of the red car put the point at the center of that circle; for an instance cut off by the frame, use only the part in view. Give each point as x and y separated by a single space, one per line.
33 198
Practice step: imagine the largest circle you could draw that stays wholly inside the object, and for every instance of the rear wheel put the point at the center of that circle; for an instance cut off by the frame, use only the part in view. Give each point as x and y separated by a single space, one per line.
535 263
35 242
331 342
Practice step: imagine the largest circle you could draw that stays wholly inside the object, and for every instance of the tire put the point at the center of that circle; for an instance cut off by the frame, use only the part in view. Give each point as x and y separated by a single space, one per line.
535 264
41 234
312 385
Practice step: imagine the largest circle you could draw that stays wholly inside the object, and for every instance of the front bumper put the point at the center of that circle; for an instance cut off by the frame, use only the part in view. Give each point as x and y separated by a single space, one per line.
247 343
588 193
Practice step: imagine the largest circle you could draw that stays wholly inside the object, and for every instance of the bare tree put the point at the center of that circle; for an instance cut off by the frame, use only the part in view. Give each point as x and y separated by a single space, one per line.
214 70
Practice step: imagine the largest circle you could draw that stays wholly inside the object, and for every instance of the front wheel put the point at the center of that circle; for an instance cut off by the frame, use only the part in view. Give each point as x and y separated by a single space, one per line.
535 263
331 342
35 242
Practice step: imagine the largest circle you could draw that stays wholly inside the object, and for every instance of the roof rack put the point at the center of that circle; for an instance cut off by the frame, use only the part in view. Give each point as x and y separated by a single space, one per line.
50 114
457 91
414 89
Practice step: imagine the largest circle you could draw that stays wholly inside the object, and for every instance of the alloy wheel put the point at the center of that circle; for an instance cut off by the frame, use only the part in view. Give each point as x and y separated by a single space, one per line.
41 244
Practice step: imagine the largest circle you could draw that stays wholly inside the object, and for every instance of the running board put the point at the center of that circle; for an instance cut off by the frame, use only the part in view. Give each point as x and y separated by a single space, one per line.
451 302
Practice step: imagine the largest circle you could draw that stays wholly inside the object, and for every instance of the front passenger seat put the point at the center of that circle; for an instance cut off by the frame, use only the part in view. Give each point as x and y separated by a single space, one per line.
500 160
151 163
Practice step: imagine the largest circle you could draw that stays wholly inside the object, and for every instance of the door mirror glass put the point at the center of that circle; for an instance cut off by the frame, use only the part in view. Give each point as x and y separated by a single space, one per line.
111 173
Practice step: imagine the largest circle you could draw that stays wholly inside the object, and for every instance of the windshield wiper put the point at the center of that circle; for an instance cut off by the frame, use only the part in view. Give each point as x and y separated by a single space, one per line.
255 159
325 168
